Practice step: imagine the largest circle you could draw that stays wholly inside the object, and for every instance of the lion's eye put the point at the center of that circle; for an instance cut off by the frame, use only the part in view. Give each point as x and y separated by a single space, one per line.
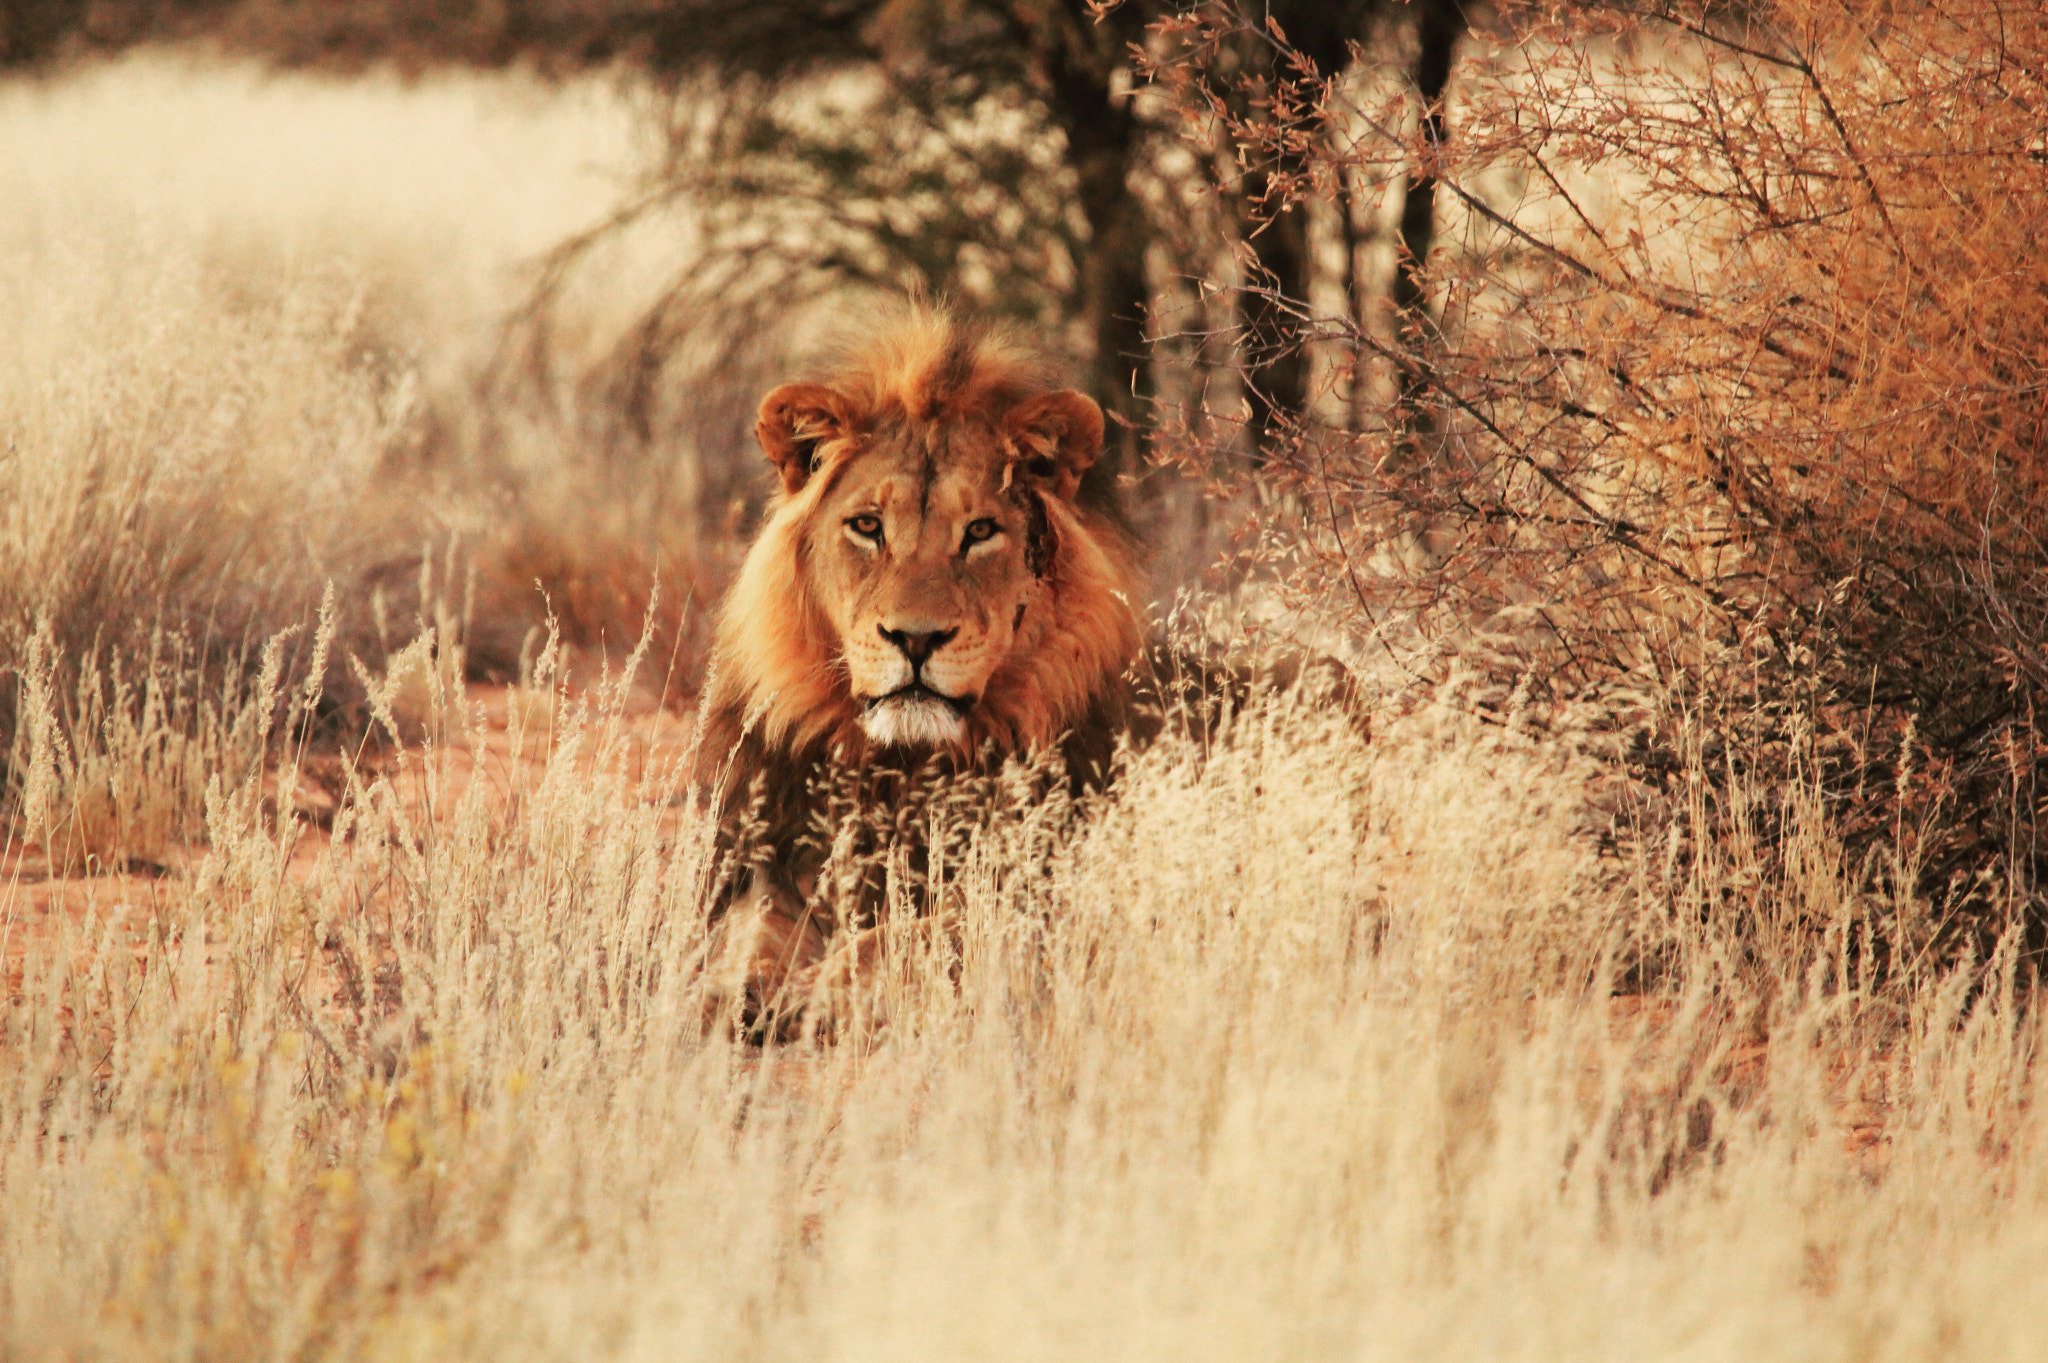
980 532
868 527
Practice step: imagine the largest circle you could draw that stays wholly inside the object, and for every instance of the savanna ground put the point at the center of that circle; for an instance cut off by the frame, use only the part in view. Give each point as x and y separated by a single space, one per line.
352 1008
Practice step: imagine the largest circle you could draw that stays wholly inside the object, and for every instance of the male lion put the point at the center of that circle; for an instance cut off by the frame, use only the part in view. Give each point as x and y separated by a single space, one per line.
928 595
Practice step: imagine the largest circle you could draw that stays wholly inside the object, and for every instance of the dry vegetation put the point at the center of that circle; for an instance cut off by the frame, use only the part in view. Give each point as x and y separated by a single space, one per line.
351 1007
1721 384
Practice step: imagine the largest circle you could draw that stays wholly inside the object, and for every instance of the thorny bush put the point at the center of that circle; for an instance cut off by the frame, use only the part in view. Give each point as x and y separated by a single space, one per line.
1728 383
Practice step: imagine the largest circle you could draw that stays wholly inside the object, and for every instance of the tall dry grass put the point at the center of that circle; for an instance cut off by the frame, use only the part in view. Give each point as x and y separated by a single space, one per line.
1301 1047
274 305
1294 1045
248 319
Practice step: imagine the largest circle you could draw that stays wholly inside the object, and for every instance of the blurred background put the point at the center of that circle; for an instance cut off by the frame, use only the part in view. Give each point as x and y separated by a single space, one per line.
586 237
1637 362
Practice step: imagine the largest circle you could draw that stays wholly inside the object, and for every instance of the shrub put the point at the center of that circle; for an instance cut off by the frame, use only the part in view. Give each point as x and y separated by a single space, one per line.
1729 387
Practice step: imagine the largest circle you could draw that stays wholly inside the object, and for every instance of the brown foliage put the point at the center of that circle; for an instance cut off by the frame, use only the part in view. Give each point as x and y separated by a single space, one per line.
1732 387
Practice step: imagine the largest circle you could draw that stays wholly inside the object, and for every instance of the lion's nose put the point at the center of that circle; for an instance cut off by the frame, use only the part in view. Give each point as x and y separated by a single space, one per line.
918 645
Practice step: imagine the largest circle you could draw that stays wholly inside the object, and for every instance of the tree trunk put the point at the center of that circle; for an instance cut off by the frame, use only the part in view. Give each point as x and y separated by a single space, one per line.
1322 32
1438 25
1278 367
1115 296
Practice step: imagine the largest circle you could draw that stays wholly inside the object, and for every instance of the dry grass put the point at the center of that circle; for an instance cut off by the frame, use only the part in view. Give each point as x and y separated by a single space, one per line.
272 306
1298 1046
1302 1047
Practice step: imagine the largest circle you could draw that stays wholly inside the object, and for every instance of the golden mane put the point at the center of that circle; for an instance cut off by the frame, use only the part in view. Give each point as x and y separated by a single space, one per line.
933 367
776 667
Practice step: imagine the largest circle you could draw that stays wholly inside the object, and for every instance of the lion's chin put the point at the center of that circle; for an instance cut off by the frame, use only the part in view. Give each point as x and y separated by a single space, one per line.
913 722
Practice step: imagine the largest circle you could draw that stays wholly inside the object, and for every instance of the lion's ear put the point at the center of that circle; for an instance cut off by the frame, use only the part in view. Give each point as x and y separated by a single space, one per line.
795 420
1058 437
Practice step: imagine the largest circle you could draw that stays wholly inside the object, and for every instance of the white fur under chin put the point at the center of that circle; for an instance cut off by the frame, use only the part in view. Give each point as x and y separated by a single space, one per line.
913 723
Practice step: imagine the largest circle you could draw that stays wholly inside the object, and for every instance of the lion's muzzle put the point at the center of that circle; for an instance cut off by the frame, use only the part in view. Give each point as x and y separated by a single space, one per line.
905 705
915 716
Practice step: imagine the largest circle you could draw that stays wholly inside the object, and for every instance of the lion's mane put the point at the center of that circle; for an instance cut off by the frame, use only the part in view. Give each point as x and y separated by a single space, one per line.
777 704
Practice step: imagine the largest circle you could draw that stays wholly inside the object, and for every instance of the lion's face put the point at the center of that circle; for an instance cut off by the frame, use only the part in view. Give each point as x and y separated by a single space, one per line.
928 562
925 578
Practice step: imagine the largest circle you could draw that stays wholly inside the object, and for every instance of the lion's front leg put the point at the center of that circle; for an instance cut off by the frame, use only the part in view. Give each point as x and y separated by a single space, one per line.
765 958
826 991
831 989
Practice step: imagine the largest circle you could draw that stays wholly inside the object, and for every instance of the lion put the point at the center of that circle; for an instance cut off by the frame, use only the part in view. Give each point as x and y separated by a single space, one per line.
937 586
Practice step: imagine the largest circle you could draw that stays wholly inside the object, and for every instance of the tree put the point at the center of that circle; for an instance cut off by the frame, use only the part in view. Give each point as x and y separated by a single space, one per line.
999 150
959 143
1243 68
